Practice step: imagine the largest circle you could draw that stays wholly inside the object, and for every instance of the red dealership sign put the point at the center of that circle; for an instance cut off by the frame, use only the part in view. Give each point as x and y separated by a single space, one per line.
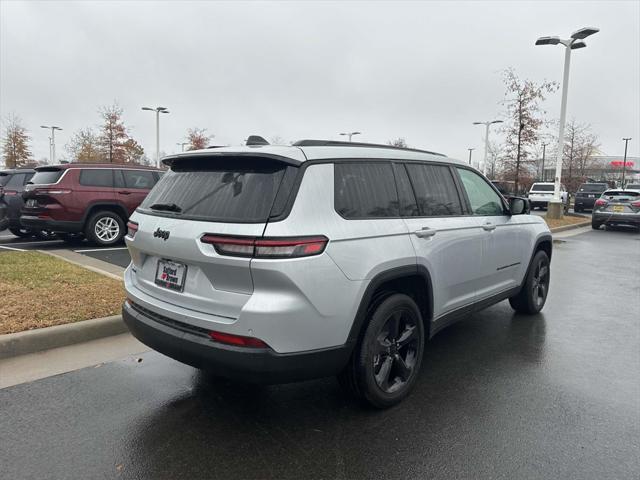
621 163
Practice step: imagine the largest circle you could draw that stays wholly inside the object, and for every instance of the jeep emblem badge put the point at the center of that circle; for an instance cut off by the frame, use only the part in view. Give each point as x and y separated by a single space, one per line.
163 234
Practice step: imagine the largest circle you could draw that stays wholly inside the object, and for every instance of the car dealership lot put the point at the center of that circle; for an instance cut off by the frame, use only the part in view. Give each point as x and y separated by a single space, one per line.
117 255
501 396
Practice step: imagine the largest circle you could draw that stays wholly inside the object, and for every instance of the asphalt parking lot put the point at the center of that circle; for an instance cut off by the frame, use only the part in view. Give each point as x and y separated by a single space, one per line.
501 396
117 255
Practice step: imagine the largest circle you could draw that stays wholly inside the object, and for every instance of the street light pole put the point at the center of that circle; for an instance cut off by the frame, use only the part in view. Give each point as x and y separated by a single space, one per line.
573 43
351 134
486 142
158 111
470 150
182 144
544 150
52 142
624 162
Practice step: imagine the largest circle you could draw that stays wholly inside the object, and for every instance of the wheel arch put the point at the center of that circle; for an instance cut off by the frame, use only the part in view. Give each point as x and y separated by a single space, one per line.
413 280
108 206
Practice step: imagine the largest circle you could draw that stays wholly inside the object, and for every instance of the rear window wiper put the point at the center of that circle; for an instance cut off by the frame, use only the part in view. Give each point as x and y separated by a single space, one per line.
167 207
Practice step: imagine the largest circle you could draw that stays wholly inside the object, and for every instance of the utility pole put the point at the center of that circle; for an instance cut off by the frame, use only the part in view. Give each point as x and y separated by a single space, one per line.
520 128
624 162
470 150
52 142
544 150
158 111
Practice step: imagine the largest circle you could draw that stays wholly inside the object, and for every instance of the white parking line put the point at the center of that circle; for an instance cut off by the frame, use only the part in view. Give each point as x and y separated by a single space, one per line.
99 249
35 243
16 249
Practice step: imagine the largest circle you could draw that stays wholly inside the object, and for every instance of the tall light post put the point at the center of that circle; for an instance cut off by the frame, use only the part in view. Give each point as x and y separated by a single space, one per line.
624 162
470 150
158 111
486 142
573 43
351 134
544 151
52 142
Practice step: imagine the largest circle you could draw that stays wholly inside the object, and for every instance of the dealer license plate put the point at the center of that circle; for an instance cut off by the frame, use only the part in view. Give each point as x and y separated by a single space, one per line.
618 208
31 203
171 275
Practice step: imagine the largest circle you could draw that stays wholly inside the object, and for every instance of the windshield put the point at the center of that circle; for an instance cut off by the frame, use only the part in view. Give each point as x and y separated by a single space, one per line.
592 187
224 190
46 176
542 187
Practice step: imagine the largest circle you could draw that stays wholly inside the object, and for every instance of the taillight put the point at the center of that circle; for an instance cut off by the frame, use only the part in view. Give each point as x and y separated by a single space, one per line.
286 247
237 340
601 202
636 204
132 228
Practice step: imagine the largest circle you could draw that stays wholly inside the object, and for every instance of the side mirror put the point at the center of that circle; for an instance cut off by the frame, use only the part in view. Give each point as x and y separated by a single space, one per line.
519 206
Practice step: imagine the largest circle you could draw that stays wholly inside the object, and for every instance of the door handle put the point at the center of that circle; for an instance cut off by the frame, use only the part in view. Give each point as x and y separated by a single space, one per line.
124 193
489 227
425 232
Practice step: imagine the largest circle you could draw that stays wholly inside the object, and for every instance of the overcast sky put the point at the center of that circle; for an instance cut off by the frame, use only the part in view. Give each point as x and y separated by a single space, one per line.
419 70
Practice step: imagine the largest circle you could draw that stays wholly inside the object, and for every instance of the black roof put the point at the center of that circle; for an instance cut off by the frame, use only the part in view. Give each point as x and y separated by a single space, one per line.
337 143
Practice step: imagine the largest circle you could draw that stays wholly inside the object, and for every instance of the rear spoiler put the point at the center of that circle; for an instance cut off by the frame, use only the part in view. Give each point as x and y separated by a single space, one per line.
212 156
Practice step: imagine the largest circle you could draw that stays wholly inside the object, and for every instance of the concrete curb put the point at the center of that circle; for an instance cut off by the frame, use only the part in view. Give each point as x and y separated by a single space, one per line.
31 341
570 227
90 263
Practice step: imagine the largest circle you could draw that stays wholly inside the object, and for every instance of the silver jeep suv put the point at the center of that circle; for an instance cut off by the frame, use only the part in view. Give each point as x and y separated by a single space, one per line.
282 263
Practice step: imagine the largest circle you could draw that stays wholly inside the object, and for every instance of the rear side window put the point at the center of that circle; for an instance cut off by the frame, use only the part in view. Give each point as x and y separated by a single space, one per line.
4 178
365 190
226 189
435 190
96 177
483 199
138 179
46 176
16 181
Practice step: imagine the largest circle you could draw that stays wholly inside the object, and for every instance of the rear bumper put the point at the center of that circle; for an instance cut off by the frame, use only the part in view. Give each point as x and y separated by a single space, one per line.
192 346
616 218
37 223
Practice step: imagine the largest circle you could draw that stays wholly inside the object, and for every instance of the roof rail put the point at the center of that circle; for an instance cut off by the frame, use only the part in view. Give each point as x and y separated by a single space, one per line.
337 143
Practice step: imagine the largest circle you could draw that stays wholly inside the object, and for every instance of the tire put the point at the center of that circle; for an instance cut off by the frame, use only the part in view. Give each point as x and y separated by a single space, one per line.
45 235
577 209
596 225
72 238
386 361
20 232
533 294
105 228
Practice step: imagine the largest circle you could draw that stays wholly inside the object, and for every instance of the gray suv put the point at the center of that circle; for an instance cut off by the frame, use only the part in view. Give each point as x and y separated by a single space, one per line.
275 264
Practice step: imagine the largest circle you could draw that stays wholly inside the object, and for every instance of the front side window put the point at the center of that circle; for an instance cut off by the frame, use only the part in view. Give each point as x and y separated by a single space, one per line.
96 177
365 190
483 199
435 190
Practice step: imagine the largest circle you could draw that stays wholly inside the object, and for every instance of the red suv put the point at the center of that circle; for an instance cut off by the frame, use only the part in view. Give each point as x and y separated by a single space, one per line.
90 199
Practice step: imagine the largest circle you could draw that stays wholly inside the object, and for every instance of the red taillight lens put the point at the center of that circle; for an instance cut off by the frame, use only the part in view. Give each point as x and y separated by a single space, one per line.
132 228
237 340
636 204
601 202
293 247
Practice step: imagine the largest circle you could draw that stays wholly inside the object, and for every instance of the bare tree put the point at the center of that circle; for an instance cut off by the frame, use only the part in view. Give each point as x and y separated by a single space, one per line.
398 142
15 145
580 144
198 138
524 113
277 140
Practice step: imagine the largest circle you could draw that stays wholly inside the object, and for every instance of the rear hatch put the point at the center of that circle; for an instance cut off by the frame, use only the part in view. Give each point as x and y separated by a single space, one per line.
219 195
541 190
619 202
41 192
590 190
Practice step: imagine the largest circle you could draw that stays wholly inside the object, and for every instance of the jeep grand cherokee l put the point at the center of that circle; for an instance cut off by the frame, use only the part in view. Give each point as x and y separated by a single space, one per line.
94 200
276 264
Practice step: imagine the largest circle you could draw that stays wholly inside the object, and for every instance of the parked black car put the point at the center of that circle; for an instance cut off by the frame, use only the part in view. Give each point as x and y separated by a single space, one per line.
4 219
12 184
587 194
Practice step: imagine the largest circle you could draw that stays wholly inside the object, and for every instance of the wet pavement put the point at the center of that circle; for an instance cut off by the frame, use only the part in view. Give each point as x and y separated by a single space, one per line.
500 396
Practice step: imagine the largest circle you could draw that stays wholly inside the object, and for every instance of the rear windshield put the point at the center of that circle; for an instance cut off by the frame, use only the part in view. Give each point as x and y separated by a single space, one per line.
592 187
4 178
46 176
620 194
221 190
541 187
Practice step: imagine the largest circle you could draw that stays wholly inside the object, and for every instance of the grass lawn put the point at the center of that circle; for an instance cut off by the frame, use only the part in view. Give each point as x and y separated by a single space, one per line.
565 220
38 290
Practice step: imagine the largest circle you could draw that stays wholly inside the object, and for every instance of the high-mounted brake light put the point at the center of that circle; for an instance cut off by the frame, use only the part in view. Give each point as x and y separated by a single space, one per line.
132 229
237 340
274 247
601 202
